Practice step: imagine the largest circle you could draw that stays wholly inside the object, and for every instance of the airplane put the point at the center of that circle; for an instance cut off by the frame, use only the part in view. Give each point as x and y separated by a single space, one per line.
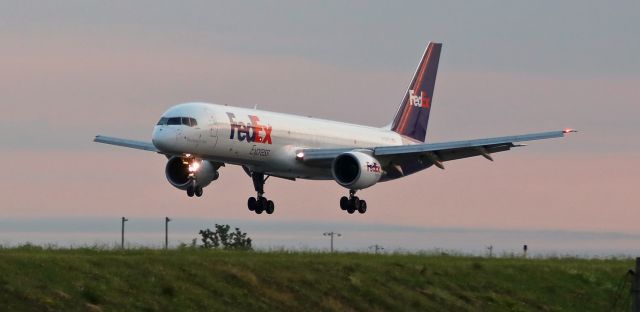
199 138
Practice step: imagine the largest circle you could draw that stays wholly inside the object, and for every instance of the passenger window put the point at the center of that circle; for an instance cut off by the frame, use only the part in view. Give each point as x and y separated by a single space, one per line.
174 121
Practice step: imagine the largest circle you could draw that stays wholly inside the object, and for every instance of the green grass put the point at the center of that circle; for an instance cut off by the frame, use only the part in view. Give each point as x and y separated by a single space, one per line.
34 279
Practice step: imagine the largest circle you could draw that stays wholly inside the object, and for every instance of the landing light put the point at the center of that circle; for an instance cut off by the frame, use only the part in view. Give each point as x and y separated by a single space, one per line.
194 166
300 155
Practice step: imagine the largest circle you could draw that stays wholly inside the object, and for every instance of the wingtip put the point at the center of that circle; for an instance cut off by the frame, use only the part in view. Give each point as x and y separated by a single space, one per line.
569 130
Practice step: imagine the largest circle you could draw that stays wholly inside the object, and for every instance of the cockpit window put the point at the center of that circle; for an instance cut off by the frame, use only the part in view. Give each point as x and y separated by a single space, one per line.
186 121
163 121
174 121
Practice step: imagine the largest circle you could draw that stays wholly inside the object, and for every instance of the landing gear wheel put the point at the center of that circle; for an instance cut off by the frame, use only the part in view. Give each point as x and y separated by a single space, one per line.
198 191
351 210
270 207
252 203
354 203
362 207
344 202
190 191
259 205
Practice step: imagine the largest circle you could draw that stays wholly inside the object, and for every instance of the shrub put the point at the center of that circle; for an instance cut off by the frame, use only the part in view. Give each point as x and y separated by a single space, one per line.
222 238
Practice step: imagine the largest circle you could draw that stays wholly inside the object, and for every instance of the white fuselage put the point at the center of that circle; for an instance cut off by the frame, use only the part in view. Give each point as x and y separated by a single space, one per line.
262 141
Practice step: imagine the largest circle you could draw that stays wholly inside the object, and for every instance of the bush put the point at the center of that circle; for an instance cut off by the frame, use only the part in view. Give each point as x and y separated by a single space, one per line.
222 238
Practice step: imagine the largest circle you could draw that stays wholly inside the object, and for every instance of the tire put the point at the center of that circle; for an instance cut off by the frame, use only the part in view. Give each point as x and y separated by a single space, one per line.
261 205
351 210
270 207
252 203
198 191
263 202
190 191
344 202
363 207
354 203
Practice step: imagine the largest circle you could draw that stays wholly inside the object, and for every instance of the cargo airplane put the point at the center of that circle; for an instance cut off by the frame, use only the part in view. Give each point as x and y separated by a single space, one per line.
199 138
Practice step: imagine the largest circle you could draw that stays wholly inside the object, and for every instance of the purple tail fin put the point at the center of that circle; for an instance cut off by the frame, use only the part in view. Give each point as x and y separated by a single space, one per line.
413 114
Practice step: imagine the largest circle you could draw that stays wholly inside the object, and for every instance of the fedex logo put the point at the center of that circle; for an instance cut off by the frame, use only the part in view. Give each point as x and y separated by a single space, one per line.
250 132
373 167
419 100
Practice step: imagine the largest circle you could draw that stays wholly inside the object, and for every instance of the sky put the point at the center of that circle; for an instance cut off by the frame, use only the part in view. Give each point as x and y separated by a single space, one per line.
72 69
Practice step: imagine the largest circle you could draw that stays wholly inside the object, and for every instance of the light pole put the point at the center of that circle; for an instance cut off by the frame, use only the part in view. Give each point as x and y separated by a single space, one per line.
122 238
166 232
331 234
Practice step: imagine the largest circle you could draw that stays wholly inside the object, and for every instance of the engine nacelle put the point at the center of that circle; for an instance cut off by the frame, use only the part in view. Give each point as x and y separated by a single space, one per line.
356 170
177 173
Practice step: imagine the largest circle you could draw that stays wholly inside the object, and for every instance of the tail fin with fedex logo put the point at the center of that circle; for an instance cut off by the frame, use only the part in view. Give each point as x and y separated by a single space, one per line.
413 114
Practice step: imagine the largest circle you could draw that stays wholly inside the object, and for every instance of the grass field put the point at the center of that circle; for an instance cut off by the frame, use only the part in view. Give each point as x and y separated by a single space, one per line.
35 279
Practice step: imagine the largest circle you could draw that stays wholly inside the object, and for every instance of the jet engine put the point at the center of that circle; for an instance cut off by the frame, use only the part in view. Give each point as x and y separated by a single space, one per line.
178 170
356 170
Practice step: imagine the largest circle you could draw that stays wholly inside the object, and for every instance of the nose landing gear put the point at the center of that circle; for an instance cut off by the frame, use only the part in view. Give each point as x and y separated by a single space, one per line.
353 203
260 203
193 188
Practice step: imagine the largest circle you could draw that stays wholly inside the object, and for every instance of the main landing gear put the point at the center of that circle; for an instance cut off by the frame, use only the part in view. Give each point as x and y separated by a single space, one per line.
259 203
353 203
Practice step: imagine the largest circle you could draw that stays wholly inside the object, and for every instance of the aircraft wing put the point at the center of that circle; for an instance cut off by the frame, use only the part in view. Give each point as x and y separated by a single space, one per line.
147 146
435 152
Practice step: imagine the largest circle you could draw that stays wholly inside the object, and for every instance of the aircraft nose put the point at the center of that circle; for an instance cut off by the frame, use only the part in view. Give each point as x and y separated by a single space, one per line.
160 138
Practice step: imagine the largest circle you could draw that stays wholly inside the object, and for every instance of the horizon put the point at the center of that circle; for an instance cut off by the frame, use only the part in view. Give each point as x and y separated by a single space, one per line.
306 235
